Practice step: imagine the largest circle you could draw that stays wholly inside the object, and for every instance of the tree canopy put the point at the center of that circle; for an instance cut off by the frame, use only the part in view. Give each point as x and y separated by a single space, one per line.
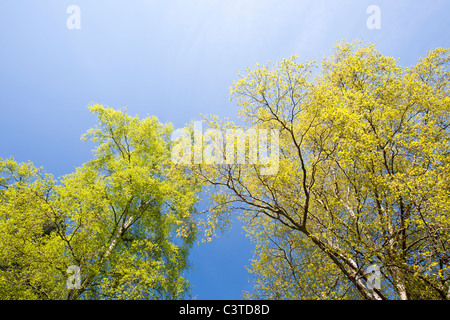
361 184
125 218
363 176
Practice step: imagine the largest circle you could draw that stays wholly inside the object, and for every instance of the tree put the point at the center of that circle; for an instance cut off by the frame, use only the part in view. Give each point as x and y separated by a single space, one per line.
363 179
125 218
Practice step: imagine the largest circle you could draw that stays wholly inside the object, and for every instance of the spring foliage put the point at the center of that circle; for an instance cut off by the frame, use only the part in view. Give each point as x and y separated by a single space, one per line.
363 176
125 218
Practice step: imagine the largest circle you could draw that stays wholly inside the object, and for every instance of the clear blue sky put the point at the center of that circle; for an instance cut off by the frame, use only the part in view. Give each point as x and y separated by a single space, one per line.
175 60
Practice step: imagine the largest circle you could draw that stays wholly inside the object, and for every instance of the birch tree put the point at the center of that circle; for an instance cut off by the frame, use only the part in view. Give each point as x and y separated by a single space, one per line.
363 176
125 218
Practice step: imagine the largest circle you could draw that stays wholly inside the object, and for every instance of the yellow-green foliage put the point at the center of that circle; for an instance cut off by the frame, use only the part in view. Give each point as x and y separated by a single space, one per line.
125 218
363 176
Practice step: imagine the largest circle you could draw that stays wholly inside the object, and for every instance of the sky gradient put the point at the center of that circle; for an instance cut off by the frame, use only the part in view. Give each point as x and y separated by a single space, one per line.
174 60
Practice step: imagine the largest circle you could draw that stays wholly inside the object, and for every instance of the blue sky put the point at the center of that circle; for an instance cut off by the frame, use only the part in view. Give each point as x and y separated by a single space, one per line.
174 60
